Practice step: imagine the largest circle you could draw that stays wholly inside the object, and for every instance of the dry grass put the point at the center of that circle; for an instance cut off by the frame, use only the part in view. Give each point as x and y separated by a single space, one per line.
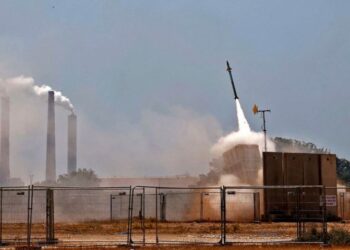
113 227
107 230
236 247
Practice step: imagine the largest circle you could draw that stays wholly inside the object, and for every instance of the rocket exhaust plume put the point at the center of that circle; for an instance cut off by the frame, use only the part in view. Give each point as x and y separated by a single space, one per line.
237 161
244 135
5 138
242 121
51 142
72 143
243 124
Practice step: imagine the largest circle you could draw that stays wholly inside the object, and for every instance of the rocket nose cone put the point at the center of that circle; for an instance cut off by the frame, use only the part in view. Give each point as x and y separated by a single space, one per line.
228 66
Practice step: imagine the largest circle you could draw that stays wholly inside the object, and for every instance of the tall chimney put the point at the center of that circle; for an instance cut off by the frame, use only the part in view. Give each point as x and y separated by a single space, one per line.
5 139
51 144
72 143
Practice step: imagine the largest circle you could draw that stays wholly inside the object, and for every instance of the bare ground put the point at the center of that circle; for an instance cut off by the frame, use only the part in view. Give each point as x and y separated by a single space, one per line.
236 247
115 232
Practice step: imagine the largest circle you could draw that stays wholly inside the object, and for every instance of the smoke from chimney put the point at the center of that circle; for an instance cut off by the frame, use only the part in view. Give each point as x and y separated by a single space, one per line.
5 138
72 143
22 83
51 143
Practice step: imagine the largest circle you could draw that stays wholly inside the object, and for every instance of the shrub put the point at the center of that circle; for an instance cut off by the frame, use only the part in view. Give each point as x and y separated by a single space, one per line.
339 236
312 235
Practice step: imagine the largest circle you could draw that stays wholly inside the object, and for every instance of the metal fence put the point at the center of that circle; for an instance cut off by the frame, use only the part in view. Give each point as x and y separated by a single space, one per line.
176 215
343 201
299 213
72 216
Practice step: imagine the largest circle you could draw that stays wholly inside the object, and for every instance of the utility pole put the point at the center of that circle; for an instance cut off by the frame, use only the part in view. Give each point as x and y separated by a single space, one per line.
262 111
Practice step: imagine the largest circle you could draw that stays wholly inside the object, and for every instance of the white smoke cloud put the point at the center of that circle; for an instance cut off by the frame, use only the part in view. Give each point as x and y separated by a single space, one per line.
244 135
241 137
241 201
230 180
175 141
27 84
241 207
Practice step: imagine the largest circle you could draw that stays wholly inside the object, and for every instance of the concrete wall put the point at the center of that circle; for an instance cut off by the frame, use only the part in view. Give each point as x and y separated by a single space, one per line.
329 178
273 175
298 169
243 161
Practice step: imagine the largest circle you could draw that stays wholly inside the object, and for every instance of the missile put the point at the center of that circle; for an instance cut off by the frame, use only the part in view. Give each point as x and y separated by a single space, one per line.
229 69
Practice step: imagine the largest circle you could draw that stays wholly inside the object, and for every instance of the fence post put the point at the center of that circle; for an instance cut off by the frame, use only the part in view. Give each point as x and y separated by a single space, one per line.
162 197
130 210
256 198
157 239
324 224
50 217
342 205
28 208
223 215
1 192
201 208
299 234
29 214
143 209
111 207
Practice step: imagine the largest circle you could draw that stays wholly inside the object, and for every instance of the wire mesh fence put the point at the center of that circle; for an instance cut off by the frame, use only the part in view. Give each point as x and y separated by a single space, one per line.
344 203
168 215
14 214
175 215
91 215
298 214
38 213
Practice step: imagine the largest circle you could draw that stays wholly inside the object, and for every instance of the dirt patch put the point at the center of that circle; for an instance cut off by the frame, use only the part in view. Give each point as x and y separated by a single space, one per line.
115 232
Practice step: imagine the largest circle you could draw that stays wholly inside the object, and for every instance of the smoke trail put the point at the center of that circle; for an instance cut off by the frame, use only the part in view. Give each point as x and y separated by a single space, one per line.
243 124
235 174
244 135
28 84
238 137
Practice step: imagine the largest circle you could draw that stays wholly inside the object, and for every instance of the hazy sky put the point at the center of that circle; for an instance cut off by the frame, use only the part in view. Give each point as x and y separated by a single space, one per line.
148 77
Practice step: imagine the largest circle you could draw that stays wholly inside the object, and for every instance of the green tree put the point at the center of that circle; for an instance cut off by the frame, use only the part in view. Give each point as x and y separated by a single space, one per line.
291 145
343 170
80 178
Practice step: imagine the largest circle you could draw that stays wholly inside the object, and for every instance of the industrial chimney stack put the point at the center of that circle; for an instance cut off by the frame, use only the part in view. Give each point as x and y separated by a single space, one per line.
5 139
72 143
51 144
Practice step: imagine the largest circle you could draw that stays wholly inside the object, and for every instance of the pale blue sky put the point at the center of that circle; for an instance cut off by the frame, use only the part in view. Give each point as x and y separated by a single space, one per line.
130 57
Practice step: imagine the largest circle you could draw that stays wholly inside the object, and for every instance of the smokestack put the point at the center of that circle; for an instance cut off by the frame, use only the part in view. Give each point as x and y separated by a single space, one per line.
72 143
5 138
51 144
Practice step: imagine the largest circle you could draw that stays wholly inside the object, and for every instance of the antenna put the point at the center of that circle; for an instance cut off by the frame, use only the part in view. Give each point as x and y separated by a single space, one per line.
262 111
